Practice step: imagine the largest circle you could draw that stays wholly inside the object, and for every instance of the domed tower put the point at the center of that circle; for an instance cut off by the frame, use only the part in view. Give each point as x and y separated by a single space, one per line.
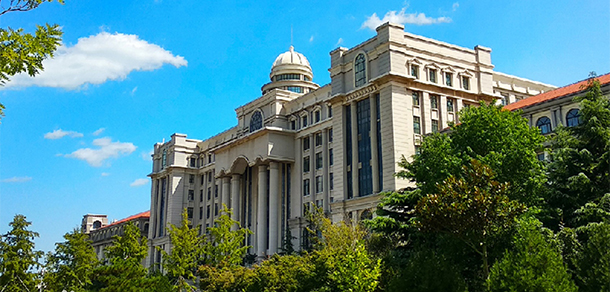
291 71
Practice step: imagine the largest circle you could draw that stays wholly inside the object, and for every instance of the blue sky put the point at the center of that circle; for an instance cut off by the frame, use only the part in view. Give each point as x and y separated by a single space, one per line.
77 139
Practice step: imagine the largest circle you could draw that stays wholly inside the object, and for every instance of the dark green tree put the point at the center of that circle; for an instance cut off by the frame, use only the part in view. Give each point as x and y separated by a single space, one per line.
71 265
593 258
180 265
579 168
18 258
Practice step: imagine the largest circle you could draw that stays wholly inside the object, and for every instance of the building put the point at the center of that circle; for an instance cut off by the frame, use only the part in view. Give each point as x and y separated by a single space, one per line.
336 146
92 222
103 236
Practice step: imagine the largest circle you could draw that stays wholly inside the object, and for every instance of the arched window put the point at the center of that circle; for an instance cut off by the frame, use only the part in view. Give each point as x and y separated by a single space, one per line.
544 124
164 159
573 118
360 70
97 225
256 121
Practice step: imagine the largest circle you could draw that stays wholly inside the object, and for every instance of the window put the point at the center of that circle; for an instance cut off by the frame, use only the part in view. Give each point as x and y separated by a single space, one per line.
202 179
360 70
191 178
209 193
319 203
296 89
416 125
209 177
417 150
331 177
293 125
466 83
200 213
540 156
573 118
450 105
306 164
504 98
164 159
330 111
319 184
318 160
216 209
415 71
210 158
216 191
191 195
200 195
448 79
305 143
330 156
189 212
256 121
287 77
316 116
304 121
319 139
330 135
415 95
193 162
544 124
434 101
432 75
434 126
306 187
207 212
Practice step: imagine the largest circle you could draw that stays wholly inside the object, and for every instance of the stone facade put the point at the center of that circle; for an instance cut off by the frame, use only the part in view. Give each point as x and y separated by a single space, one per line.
336 146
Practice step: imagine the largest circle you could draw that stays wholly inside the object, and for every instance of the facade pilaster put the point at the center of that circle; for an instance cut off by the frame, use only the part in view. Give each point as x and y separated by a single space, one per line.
261 222
274 179
235 199
374 153
355 162
226 189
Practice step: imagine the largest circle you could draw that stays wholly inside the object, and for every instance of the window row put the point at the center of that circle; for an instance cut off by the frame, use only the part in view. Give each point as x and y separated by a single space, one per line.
319 186
572 119
317 139
193 161
434 101
319 161
417 127
304 120
448 77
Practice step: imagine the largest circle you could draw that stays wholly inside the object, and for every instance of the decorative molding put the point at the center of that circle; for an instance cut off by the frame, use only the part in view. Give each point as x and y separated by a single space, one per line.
360 92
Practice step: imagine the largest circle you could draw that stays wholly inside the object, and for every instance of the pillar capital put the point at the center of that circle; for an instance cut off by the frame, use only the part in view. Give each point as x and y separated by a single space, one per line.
274 165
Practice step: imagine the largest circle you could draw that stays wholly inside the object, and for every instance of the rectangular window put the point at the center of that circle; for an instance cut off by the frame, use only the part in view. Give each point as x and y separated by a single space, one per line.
448 79
432 75
209 177
319 139
306 208
207 213
209 193
540 156
202 179
318 160
216 209
216 191
434 101
316 115
466 82
306 187
304 121
417 150
200 195
330 134
330 111
319 184
200 213
306 164
319 203
450 105
210 158
193 162
416 125
293 125
191 178
415 71
305 143
191 195
189 212
415 95
434 126
331 184
330 157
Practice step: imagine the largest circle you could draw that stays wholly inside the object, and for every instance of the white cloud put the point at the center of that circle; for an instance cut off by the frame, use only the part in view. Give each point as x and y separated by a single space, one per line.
147 156
340 41
139 182
98 131
455 6
105 174
133 91
58 134
107 149
311 39
97 59
17 179
401 17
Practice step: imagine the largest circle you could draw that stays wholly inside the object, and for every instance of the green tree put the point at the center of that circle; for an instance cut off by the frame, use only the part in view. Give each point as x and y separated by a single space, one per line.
124 271
534 264
593 258
181 264
225 247
24 52
18 259
579 168
71 265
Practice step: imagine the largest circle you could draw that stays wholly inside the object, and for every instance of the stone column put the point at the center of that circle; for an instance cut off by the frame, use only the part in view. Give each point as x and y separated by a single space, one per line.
226 185
274 179
374 153
458 106
261 222
235 199
355 162
325 172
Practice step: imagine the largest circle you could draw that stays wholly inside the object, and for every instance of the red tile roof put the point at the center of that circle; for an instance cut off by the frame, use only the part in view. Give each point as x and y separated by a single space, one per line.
133 217
556 93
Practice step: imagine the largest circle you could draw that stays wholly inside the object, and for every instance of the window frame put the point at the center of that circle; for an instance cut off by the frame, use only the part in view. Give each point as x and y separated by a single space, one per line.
544 124
360 77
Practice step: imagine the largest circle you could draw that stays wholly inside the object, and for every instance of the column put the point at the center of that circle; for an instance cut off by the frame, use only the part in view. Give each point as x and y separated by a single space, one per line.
274 179
261 222
312 168
442 113
235 199
374 153
226 185
325 171
458 106
355 162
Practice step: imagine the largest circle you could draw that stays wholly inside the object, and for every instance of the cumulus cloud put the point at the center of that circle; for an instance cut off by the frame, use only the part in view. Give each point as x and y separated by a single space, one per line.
58 134
17 179
99 131
139 182
97 59
401 17
106 149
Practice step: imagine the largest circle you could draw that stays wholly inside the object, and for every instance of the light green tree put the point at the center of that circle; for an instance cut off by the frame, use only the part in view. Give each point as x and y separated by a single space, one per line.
225 247
18 258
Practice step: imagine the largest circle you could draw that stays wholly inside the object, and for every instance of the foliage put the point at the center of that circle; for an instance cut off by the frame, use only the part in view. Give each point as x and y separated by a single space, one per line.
579 168
18 258
285 273
225 278
124 271
225 247
593 261
71 265
473 209
534 264
181 264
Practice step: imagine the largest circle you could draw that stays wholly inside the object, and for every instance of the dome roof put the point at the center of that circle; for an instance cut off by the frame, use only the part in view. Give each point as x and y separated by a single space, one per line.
291 58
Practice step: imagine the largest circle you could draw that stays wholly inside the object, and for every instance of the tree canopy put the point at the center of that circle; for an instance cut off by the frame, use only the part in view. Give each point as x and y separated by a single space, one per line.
18 258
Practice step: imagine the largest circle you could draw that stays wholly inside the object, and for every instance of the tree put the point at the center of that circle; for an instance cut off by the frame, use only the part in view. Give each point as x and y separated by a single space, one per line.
180 265
124 271
579 168
18 259
473 209
225 247
593 258
24 52
71 265
534 263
